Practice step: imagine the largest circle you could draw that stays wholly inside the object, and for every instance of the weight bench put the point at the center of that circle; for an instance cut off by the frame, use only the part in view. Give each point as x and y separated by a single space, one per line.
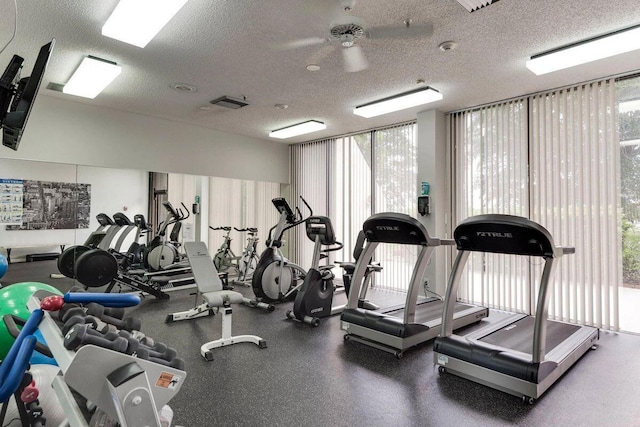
215 297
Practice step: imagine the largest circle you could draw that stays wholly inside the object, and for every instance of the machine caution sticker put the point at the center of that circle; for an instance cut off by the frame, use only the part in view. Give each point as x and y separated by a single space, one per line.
168 380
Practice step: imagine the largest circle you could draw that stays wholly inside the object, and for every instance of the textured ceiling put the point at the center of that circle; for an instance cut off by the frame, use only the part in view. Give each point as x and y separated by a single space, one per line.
229 47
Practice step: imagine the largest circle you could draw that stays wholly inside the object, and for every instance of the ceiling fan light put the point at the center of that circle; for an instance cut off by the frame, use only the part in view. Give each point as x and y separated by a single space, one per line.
585 51
398 102
298 129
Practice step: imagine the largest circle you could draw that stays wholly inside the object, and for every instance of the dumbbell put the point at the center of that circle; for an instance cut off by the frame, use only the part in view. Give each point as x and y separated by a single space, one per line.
175 362
80 335
115 312
95 323
158 351
128 323
144 339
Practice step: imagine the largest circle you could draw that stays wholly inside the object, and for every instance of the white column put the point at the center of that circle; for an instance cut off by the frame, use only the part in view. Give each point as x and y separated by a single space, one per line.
432 168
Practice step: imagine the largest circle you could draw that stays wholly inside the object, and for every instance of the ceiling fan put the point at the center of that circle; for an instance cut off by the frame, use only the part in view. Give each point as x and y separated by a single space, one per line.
347 31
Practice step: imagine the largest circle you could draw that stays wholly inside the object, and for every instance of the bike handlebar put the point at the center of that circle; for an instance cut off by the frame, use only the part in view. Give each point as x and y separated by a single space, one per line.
250 230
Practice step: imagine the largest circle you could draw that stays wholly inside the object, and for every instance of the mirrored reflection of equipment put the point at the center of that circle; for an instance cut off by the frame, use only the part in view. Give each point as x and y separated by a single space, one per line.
161 251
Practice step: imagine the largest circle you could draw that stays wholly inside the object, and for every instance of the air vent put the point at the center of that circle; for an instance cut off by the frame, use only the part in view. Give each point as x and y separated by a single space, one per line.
228 102
472 5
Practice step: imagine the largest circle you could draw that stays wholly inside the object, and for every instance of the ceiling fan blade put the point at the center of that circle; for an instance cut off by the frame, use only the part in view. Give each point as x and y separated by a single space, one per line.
295 44
406 31
321 54
354 59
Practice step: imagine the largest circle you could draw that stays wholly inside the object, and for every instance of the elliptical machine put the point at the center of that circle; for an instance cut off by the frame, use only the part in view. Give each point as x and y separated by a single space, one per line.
161 253
275 278
315 297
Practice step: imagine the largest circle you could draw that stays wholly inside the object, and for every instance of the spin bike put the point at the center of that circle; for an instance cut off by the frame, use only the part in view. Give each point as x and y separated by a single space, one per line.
224 259
275 278
249 259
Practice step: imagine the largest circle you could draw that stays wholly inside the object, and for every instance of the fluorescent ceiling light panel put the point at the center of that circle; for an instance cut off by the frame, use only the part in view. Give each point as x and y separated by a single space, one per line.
299 129
472 5
91 77
586 51
138 21
398 102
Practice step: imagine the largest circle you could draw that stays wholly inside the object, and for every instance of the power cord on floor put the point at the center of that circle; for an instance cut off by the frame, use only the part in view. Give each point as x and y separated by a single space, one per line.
428 291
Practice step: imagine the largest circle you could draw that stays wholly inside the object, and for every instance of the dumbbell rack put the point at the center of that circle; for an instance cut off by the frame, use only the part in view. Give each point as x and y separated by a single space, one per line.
126 388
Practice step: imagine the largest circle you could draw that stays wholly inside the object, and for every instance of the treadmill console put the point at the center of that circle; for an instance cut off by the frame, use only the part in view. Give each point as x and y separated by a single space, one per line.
391 227
504 234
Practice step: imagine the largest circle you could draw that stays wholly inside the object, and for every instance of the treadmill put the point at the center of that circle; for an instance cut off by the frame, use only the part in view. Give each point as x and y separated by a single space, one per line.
396 329
522 355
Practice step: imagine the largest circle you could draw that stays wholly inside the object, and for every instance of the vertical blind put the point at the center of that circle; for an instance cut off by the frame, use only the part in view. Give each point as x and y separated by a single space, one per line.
232 202
396 176
490 149
241 204
554 158
351 177
575 183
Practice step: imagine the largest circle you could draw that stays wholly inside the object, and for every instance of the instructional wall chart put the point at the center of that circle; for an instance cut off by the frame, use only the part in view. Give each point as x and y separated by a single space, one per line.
11 201
43 205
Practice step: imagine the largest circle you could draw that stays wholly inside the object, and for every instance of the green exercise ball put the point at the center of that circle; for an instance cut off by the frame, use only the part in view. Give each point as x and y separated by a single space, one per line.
13 300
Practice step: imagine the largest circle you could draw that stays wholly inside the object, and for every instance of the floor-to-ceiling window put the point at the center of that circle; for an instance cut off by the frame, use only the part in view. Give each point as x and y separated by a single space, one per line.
553 157
348 179
628 96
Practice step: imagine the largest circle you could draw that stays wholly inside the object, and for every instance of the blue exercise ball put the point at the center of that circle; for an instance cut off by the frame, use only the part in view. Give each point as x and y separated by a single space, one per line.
39 358
4 265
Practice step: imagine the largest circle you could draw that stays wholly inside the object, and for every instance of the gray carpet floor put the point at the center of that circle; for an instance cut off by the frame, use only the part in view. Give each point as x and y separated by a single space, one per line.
310 376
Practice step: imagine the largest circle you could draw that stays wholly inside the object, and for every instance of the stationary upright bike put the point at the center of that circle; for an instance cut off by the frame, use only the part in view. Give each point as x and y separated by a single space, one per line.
315 297
275 278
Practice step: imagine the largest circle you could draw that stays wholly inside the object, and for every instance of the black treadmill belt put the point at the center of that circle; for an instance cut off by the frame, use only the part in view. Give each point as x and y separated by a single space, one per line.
428 311
519 335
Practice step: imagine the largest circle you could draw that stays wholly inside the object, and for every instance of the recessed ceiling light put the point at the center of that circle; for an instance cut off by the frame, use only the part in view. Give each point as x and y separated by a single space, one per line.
313 67
447 46
183 87
281 106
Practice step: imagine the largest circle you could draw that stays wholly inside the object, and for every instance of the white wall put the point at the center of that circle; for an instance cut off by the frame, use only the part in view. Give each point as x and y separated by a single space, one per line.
69 132
432 167
112 190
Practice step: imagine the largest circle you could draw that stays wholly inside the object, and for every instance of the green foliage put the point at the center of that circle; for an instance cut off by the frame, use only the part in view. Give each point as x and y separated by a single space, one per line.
630 252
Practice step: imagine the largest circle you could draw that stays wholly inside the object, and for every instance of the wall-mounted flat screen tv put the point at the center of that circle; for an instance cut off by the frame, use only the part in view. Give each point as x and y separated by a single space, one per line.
16 99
